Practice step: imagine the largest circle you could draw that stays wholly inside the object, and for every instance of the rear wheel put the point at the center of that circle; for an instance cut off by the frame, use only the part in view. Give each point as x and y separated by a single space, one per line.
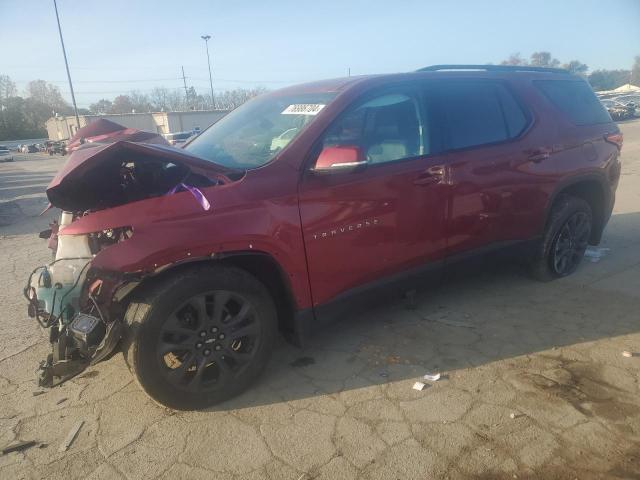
565 239
201 337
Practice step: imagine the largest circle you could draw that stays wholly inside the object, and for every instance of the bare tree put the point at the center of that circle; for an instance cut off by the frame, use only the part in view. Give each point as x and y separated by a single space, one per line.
48 94
175 100
576 67
140 102
122 104
101 106
514 59
544 59
7 87
230 99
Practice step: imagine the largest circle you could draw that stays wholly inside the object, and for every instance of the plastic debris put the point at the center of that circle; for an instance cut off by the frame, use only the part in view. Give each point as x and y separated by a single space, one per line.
383 374
18 447
627 353
71 436
432 378
516 415
594 254
419 386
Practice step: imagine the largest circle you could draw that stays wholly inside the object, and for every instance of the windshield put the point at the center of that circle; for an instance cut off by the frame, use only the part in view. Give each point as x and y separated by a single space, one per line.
254 133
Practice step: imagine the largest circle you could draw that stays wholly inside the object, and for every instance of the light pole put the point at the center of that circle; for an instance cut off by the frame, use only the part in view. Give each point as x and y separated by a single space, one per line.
66 64
206 42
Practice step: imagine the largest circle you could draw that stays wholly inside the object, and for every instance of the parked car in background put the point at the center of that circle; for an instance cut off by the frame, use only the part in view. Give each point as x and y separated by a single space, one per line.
630 100
5 154
55 148
177 139
29 148
303 202
617 110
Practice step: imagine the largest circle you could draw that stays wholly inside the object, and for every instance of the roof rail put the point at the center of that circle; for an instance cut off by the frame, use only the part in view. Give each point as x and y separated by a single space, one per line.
493 68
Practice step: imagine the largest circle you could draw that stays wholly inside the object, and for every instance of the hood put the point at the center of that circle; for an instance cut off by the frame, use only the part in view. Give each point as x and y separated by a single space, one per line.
106 131
105 175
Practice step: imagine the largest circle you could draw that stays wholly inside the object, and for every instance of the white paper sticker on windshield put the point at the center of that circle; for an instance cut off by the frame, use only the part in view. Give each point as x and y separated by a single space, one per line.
303 109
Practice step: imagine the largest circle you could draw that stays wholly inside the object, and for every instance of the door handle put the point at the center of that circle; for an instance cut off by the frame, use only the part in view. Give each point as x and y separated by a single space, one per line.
539 156
430 176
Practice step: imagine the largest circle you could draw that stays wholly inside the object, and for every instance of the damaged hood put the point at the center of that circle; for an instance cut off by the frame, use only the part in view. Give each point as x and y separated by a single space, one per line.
73 186
106 131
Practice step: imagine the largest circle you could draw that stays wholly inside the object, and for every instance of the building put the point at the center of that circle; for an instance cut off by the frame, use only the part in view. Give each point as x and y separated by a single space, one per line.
63 127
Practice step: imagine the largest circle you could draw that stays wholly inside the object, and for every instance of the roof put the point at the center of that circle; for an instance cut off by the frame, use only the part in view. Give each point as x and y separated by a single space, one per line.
435 71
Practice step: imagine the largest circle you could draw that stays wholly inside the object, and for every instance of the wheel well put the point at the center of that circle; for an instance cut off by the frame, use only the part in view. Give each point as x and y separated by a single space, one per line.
267 270
591 191
260 265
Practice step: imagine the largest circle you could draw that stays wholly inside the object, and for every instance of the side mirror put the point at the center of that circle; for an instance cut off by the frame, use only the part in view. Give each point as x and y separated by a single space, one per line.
339 158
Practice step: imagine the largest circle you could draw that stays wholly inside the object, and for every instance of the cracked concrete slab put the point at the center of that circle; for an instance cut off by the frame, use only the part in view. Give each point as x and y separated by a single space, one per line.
548 353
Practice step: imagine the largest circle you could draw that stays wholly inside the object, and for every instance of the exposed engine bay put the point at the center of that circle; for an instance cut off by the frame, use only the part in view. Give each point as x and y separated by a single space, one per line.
134 177
63 299
81 305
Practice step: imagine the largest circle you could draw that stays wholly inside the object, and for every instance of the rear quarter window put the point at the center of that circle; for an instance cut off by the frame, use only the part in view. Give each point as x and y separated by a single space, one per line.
575 99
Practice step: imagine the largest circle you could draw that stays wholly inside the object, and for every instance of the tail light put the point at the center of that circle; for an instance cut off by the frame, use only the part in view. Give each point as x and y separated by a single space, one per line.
615 138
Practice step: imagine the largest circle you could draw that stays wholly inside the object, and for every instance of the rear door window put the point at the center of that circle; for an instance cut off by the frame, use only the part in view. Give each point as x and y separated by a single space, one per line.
576 99
476 113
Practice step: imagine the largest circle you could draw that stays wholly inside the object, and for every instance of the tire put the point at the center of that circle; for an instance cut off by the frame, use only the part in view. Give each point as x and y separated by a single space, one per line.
200 337
549 262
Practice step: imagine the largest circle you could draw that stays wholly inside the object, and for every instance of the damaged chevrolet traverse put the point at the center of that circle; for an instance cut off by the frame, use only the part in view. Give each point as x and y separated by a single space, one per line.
273 219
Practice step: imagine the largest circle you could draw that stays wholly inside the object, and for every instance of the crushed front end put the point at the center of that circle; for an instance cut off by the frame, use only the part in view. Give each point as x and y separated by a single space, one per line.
107 193
76 303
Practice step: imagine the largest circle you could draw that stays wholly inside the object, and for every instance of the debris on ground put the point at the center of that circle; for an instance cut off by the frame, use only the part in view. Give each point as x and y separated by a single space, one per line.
39 392
432 377
516 415
63 399
303 362
419 386
18 447
410 298
393 359
71 436
627 353
594 254
384 374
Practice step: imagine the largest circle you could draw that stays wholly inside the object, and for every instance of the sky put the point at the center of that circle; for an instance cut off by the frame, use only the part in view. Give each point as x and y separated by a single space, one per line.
116 46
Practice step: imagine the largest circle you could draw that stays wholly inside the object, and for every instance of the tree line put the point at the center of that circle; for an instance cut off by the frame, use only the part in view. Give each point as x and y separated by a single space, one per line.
599 79
24 116
162 99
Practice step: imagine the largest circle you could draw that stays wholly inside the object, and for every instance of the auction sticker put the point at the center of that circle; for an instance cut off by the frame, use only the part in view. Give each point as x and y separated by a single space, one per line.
303 109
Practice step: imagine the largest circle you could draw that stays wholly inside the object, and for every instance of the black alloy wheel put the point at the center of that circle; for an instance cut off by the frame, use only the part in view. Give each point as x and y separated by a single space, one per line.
208 340
200 336
571 243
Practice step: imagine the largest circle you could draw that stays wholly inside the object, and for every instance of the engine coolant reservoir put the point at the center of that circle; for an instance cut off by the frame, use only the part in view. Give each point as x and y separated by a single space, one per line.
58 290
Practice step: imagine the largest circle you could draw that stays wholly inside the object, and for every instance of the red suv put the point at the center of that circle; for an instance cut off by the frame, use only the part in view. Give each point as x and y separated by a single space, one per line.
302 200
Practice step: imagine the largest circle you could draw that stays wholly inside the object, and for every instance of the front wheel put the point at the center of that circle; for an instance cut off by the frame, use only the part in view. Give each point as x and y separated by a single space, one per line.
200 337
565 239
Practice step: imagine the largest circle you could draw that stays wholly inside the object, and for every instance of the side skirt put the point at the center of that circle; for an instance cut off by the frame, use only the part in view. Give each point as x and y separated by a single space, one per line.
309 321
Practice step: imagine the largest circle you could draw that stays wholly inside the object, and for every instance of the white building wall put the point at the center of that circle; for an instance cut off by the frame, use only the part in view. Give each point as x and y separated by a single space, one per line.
63 128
